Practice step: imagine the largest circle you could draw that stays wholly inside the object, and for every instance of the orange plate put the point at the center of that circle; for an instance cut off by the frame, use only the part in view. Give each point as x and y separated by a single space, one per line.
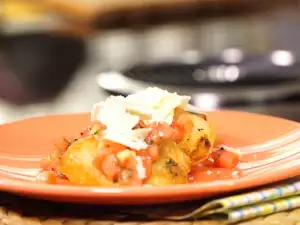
23 143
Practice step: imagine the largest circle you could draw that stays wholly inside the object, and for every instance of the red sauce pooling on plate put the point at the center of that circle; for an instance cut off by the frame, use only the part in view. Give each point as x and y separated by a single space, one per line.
208 171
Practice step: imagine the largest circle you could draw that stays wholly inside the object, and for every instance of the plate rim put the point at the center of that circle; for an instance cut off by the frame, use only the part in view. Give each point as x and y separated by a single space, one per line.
185 191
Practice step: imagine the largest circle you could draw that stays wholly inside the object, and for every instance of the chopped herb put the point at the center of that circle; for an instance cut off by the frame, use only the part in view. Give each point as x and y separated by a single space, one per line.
96 132
172 167
207 143
200 129
130 173
138 126
149 141
59 174
170 162
175 173
69 142
126 174
115 180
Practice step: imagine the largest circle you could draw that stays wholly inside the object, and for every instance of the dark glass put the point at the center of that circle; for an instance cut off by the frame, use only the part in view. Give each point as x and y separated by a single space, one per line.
36 67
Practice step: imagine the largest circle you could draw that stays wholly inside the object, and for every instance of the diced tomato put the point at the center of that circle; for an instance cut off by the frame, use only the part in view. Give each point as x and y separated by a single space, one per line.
135 181
129 177
131 163
153 137
54 154
160 130
153 152
142 153
208 162
110 168
140 124
225 159
62 144
46 177
103 144
116 147
55 166
97 162
178 133
165 131
124 163
128 162
85 133
216 155
126 176
45 163
183 119
185 122
110 146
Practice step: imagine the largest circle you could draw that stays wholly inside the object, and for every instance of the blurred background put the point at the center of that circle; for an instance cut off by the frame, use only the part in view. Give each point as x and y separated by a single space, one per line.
59 56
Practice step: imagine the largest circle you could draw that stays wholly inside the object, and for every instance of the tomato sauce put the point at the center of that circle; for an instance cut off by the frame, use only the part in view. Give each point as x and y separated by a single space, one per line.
204 172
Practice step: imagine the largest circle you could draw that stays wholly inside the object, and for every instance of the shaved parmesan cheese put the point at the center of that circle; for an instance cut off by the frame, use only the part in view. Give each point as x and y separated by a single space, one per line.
133 139
120 115
141 170
160 104
114 116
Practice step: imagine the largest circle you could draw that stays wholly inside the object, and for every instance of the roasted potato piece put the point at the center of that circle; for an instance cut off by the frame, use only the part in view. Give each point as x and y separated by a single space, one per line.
172 167
77 164
198 143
